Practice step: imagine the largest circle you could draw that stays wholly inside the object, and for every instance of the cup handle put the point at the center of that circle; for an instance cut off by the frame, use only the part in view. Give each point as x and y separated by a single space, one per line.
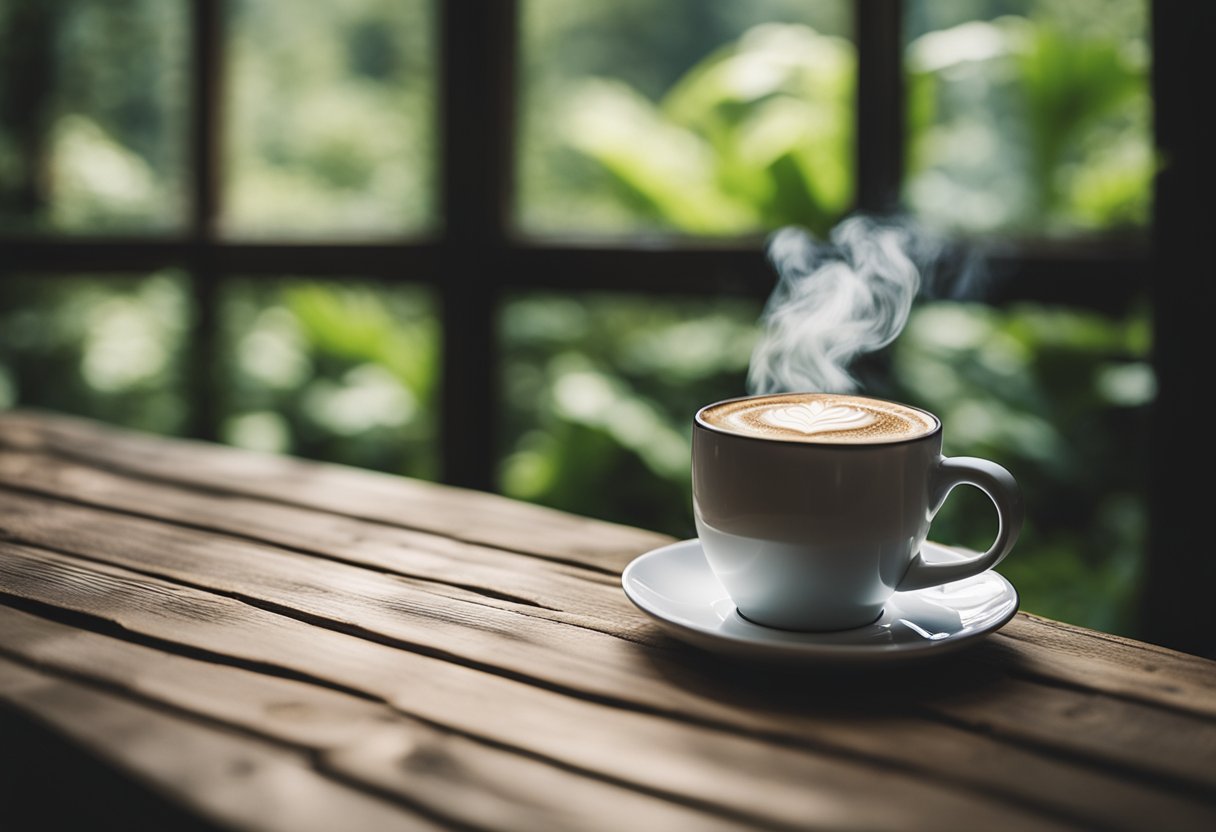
1001 488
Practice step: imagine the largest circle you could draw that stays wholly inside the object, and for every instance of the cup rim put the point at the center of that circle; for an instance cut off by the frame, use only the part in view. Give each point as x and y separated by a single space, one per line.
699 421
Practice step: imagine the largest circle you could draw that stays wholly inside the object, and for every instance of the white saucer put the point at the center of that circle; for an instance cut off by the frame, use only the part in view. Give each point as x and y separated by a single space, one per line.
675 587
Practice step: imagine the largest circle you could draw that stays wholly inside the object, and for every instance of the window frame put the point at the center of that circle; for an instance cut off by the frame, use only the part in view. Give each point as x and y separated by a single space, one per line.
477 257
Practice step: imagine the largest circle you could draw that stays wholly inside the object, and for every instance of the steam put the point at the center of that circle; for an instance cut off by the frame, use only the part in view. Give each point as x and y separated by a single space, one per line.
848 296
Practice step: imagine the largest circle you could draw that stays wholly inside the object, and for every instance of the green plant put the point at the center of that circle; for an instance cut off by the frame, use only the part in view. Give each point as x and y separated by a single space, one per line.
1023 125
756 135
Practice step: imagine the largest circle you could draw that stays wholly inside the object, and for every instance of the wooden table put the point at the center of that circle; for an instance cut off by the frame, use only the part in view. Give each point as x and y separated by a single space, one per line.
194 636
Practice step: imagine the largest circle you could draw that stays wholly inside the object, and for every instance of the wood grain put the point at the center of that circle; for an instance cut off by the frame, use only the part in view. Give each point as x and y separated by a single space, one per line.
471 516
355 739
585 734
472 661
1060 652
229 779
1111 664
788 786
593 595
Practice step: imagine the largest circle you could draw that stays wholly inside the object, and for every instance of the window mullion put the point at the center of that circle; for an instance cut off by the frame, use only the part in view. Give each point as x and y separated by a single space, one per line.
478 44
206 88
879 143
1179 569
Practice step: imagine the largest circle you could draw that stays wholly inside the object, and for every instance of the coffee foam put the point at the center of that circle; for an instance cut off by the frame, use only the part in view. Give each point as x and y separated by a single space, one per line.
831 418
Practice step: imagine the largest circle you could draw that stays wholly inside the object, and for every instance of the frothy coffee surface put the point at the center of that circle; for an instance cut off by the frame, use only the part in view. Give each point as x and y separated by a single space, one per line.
820 417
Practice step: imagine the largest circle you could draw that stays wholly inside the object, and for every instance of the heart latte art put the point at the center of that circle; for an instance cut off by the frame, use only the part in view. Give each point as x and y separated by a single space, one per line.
817 417
820 417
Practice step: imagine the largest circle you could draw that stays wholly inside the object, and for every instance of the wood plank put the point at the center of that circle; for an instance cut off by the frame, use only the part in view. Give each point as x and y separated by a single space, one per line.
1146 742
473 516
228 778
589 598
409 611
359 740
1193 693
328 488
828 748
783 785
1108 663
501 790
1032 645
1177 680
1187 682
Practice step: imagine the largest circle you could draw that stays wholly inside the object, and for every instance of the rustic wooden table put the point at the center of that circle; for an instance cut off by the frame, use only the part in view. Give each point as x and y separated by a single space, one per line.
193 636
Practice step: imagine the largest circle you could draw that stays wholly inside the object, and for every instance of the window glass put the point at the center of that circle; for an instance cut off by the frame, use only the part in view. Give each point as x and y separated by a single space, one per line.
107 347
599 394
93 115
699 117
344 371
1029 116
330 117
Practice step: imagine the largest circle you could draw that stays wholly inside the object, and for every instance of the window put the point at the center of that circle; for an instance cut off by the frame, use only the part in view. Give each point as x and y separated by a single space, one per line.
472 157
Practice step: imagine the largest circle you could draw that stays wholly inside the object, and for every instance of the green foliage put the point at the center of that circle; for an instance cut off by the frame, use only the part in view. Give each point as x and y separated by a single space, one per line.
92 115
326 108
328 117
756 135
339 371
1025 125
600 392
111 347
634 54
1018 123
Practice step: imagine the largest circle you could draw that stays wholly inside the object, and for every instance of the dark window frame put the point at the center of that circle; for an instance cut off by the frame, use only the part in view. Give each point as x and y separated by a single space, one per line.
477 257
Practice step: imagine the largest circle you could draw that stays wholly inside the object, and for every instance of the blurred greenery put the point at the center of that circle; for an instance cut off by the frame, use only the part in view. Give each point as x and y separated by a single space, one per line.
330 120
701 117
111 347
599 390
1029 117
341 370
92 121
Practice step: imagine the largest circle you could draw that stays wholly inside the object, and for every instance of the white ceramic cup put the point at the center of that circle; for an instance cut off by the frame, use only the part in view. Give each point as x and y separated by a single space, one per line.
815 535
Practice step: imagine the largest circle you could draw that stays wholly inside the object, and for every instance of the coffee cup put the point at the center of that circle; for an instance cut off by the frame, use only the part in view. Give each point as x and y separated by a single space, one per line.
811 508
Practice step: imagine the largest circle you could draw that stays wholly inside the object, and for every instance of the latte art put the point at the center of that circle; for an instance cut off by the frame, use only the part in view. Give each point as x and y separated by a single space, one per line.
818 417
833 418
